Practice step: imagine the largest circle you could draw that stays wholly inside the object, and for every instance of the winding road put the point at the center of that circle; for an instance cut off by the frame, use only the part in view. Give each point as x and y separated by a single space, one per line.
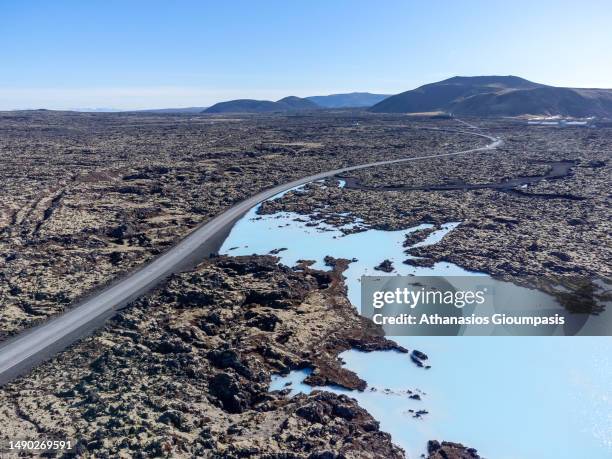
26 350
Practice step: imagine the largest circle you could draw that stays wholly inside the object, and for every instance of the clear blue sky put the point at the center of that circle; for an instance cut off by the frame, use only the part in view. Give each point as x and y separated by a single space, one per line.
149 53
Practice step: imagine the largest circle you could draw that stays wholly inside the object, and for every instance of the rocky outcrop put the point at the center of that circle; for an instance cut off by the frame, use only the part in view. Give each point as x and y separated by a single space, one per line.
186 371
385 266
449 450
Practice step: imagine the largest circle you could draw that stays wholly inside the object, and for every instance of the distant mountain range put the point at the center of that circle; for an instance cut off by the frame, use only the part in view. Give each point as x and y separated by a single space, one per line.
287 104
499 96
353 99
292 103
459 95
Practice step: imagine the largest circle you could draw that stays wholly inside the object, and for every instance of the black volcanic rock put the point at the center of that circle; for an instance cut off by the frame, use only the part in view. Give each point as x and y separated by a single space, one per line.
419 355
385 266
450 450
229 392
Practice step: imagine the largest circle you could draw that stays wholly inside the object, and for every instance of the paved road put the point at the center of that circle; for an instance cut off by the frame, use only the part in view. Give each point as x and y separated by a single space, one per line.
23 352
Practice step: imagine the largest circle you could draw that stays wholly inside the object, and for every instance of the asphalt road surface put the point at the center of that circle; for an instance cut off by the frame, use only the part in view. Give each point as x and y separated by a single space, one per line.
24 351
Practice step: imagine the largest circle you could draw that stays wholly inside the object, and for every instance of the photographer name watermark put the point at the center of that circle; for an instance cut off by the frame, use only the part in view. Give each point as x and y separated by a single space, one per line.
472 306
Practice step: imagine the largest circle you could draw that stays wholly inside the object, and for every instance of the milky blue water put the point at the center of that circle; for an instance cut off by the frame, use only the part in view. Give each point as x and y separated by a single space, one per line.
509 397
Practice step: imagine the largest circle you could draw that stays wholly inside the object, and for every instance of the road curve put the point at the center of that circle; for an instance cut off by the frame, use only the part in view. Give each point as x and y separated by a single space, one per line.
26 350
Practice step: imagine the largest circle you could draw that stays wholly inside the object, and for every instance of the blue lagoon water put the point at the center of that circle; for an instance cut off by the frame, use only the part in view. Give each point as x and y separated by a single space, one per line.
509 397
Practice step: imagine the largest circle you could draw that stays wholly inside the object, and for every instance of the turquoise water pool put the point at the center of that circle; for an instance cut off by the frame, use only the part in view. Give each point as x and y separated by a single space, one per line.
509 397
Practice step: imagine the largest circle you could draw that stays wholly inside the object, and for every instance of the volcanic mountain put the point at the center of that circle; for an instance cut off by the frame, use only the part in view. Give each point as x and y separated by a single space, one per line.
499 96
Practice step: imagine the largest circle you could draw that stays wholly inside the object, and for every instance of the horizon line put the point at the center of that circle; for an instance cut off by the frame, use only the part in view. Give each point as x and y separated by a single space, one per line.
226 94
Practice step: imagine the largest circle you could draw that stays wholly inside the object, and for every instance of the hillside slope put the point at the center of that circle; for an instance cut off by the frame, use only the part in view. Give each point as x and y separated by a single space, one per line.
353 99
298 103
286 104
499 96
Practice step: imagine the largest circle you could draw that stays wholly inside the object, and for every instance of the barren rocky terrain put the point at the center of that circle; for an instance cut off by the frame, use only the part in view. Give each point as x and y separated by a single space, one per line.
549 232
86 197
185 372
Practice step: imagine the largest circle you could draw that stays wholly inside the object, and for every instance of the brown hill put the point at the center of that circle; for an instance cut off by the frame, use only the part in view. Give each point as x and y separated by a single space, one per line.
499 96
